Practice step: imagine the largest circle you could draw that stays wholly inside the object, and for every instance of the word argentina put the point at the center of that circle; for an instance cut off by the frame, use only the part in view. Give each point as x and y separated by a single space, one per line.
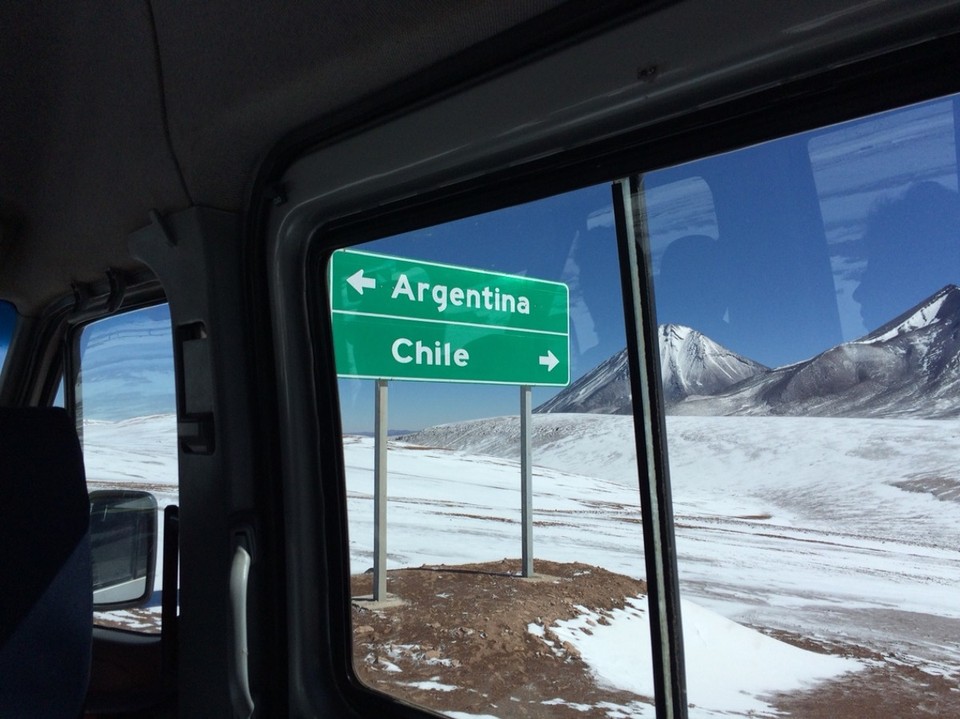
443 296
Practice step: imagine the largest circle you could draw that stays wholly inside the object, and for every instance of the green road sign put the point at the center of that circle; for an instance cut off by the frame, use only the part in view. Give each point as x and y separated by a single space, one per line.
395 318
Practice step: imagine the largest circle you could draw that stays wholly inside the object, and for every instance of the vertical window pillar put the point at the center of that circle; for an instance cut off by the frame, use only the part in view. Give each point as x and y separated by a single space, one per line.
663 592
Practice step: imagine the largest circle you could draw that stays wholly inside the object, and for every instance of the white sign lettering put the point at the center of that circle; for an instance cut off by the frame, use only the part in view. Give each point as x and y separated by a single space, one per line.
423 354
443 296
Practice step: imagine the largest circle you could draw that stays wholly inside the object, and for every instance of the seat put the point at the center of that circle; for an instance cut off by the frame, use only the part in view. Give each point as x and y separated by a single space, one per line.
45 566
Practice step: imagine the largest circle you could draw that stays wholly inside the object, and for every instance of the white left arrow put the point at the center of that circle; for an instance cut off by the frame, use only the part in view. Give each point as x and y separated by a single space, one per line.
549 360
360 283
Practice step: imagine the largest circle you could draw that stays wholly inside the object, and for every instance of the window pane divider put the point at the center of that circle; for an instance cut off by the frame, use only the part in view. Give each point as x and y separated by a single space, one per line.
660 555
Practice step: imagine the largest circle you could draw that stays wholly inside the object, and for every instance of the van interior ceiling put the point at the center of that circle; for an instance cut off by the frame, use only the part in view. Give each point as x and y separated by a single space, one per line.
111 111
214 214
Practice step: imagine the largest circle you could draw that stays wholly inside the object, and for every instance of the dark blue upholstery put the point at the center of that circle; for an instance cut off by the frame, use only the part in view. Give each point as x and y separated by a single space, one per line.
45 577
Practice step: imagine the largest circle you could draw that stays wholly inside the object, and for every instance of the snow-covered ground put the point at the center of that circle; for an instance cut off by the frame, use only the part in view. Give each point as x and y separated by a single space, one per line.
729 667
795 524
828 528
139 452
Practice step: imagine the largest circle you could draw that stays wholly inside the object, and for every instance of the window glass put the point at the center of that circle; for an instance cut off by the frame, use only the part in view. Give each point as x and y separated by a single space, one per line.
126 410
8 318
806 296
480 305
809 347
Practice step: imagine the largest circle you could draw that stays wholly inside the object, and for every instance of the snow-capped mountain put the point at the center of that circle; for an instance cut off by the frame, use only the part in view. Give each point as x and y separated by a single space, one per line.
690 364
909 367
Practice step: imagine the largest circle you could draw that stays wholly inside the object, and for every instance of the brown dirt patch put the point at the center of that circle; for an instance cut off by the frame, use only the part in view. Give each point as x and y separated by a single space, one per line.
466 628
946 489
884 691
889 688
457 639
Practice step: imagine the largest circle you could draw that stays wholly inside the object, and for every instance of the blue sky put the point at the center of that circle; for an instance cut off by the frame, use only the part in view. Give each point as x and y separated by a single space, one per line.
127 363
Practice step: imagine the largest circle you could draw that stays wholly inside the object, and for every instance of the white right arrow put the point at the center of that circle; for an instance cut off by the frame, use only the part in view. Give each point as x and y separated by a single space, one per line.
549 360
358 282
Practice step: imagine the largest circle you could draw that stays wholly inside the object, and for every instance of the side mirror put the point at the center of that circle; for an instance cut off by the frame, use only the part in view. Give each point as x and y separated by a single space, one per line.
123 542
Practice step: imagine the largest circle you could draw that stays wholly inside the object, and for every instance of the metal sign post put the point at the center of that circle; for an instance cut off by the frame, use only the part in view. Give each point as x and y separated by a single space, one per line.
380 494
526 482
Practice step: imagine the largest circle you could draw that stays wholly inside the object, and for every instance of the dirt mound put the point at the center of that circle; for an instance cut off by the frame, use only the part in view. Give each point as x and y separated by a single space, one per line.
477 639
459 638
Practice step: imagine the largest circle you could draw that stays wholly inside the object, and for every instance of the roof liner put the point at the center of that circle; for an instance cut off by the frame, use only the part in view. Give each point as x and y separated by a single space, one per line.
83 142
85 153
243 89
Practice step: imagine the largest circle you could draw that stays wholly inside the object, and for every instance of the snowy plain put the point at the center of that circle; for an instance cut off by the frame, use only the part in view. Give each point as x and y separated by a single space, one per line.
831 529
821 527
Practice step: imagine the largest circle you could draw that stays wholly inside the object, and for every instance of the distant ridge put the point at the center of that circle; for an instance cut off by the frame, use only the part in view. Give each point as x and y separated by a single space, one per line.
909 367
603 390
942 306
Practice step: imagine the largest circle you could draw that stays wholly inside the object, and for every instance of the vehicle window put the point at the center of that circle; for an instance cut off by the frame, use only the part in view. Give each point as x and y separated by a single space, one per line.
807 305
8 318
457 318
126 412
809 352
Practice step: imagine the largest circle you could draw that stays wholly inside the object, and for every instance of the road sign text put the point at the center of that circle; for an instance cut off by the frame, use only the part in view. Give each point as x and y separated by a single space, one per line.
484 298
424 354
